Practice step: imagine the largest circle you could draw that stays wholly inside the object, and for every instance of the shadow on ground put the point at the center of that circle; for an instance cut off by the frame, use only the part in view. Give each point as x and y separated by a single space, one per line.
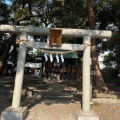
37 90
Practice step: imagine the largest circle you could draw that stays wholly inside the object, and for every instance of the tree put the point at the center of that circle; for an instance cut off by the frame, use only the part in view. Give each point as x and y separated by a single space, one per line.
99 81
37 13
23 12
114 43
71 14
4 43
109 17
109 59
10 47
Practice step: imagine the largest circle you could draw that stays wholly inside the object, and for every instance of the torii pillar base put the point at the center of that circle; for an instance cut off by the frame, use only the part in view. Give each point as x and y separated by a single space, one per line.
14 114
87 116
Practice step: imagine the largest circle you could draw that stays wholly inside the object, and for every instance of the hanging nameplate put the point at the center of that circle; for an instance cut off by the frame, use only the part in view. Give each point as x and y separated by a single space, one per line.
55 37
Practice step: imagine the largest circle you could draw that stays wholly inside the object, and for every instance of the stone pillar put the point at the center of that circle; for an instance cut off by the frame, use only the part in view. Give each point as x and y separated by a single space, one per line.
15 112
19 72
86 76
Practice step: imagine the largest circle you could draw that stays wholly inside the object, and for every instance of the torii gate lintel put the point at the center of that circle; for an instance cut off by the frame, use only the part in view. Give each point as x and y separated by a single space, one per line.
66 32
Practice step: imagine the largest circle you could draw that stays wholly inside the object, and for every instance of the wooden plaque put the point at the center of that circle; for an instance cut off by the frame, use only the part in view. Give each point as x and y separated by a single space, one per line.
55 36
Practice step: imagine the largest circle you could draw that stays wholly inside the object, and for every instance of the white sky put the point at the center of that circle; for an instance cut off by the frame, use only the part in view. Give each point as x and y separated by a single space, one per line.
101 56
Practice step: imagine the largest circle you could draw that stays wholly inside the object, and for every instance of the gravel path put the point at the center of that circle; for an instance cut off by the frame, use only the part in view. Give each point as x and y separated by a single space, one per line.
53 111
105 108
108 109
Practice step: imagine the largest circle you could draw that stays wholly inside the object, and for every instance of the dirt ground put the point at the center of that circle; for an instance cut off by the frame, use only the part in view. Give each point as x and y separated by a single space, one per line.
63 107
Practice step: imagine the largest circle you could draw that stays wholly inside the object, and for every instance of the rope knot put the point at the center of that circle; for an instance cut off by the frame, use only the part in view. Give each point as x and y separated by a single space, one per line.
18 41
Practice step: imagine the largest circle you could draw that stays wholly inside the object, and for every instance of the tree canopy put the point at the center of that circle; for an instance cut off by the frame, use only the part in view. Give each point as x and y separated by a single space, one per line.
70 14
65 14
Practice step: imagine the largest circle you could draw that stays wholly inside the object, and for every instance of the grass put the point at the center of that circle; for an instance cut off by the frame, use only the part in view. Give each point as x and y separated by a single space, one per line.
95 104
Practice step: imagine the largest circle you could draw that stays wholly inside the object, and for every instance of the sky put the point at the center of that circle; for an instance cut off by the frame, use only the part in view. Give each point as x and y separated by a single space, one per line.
8 2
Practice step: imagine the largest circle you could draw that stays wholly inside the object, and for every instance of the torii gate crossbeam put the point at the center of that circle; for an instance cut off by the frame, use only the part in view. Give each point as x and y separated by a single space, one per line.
66 32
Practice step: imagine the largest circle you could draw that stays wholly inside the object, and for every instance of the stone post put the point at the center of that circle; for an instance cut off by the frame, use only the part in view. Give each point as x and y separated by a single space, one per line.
86 76
19 72
86 113
15 112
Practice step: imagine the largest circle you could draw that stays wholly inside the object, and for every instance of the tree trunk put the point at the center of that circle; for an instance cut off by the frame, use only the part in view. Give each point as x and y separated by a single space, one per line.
5 53
98 78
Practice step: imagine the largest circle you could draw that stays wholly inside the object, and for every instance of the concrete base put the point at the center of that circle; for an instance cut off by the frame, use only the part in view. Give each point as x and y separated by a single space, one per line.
87 116
14 114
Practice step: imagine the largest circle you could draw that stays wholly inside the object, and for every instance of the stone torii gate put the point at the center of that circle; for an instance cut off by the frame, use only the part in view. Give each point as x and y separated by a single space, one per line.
16 112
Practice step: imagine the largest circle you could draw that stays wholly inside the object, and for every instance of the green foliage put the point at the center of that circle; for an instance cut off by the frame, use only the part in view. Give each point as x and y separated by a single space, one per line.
95 104
113 46
107 14
21 14
71 14
4 13
108 59
31 55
